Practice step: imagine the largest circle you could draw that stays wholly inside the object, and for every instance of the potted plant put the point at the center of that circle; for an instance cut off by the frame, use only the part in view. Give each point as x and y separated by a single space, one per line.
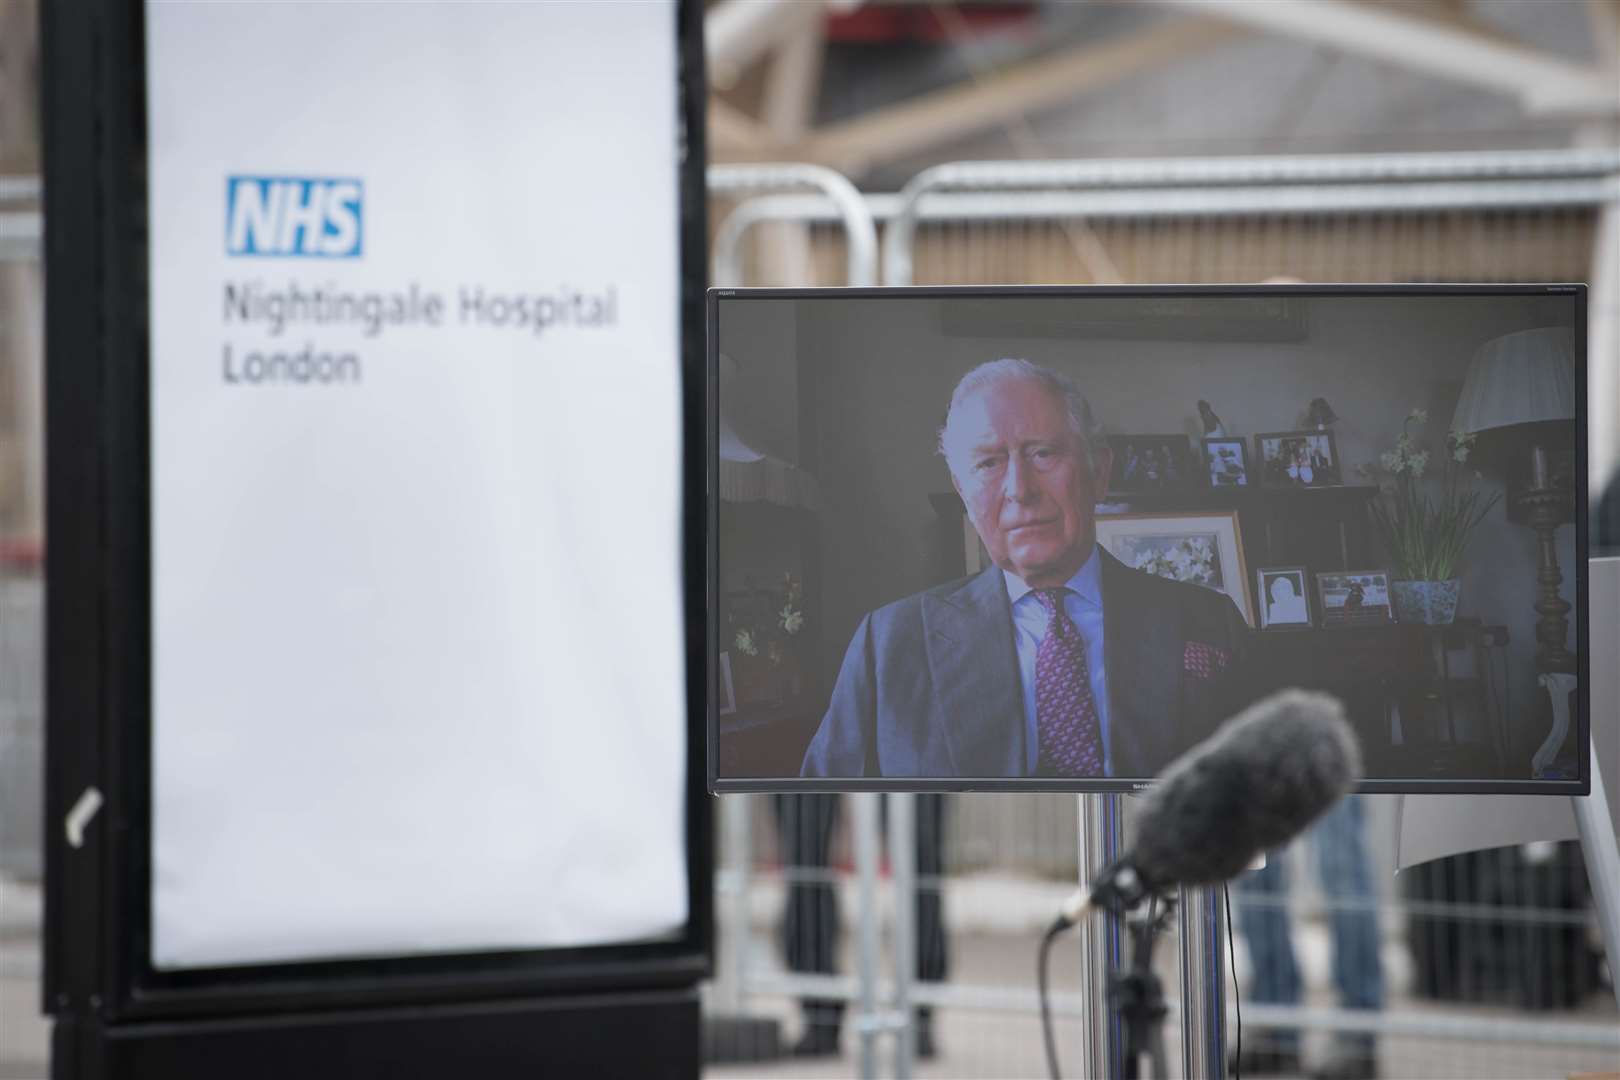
1426 533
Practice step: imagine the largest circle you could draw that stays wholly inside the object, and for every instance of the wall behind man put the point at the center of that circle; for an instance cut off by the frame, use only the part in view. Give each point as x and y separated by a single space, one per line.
879 373
759 375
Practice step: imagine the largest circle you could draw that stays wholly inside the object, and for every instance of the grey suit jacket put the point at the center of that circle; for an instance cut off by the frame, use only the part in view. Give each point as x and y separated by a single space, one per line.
930 688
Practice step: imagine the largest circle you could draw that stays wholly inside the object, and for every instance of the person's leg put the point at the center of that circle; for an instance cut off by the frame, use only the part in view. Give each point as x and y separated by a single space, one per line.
1342 856
1357 968
1262 905
810 926
932 957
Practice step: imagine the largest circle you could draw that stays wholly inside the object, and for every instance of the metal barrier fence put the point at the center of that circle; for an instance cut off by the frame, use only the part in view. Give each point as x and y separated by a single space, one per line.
21 507
22 708
23 1036
1489 963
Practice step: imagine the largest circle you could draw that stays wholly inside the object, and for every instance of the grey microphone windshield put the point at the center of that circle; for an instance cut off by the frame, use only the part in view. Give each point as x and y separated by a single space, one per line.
1255 784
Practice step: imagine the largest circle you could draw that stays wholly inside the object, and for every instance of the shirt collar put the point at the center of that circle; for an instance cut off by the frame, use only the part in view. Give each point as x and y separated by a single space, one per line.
1086 582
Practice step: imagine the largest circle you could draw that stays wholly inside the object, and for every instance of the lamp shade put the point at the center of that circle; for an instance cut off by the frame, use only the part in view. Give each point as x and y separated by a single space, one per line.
1520 378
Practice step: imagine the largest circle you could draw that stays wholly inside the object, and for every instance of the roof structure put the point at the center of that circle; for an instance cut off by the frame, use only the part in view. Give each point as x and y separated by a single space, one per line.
879 91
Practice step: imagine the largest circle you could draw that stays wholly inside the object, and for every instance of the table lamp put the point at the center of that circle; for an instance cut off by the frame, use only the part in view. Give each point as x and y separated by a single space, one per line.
1519 395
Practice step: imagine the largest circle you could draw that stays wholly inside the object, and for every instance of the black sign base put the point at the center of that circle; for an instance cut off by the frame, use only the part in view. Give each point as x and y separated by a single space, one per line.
645 1035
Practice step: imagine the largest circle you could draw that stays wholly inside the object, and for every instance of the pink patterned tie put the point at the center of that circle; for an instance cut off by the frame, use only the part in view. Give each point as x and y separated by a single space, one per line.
1065 711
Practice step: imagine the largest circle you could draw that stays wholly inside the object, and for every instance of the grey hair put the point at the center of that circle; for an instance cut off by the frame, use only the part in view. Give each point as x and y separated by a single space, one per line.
987 374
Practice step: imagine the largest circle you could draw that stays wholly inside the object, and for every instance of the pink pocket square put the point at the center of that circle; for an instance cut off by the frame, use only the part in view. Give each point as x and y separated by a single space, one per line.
1204 661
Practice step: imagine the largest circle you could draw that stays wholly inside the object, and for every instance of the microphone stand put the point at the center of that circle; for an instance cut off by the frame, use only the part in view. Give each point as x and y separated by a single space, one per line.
1137 994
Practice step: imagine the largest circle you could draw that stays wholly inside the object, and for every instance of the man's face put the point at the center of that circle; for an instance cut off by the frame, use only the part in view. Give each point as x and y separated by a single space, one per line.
1029 485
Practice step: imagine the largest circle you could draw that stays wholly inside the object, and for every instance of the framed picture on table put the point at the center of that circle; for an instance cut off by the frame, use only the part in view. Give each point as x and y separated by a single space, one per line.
1204 548
728 692
1298 459
1226 460
1355 598
1282 597
1148 463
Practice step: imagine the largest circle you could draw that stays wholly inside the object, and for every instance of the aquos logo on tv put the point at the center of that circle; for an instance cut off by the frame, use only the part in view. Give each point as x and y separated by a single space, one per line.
316 217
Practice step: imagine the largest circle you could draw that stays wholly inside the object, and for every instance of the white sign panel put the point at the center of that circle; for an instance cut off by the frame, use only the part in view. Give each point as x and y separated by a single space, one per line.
417 672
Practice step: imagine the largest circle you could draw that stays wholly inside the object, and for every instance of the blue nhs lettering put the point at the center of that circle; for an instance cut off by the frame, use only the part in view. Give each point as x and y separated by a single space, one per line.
313 217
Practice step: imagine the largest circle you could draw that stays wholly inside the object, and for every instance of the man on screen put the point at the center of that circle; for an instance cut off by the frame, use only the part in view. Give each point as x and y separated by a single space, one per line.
1056 661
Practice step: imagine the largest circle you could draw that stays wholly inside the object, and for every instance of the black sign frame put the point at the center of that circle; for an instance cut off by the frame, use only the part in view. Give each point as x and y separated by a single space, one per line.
98 677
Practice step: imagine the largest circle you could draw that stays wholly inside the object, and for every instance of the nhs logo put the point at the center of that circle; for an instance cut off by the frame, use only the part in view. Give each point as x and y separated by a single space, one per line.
307 216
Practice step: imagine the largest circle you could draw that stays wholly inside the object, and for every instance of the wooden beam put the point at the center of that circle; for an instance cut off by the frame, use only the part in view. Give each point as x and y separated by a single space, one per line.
736 135
912 127
19 88
1542 81
1449 13
736 33
1604 15
788 107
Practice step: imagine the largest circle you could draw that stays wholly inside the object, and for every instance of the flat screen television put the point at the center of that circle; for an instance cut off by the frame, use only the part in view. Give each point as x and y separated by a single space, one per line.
1048 538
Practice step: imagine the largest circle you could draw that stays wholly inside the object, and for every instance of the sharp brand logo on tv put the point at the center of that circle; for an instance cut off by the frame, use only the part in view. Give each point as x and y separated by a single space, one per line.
316 217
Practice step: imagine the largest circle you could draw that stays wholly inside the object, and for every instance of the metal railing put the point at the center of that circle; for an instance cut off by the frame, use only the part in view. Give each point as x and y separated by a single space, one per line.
1327 184
757 180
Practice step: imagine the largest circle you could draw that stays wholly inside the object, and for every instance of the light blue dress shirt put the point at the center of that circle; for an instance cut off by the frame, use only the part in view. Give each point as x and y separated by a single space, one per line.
1085 607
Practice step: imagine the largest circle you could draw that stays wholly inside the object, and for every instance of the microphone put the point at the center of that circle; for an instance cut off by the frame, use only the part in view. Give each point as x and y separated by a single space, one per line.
1255 784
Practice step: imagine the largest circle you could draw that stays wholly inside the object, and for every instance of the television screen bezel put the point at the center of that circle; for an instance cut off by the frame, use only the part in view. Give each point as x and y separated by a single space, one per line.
1580 723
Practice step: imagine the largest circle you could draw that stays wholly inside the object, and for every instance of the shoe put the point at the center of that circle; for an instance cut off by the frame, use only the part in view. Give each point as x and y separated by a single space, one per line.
1351 1059
1267 1059
926 1047
818 1040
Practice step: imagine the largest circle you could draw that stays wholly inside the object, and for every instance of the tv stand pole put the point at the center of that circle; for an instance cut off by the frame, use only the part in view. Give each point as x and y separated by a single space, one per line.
1202 942
1102 837
1203 983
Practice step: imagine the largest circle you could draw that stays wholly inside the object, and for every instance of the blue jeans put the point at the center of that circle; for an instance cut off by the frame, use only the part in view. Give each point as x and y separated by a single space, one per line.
1341 858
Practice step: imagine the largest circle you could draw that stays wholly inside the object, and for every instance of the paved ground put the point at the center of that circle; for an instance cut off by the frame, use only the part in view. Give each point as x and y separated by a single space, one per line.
986 1046
24 1034
973 1043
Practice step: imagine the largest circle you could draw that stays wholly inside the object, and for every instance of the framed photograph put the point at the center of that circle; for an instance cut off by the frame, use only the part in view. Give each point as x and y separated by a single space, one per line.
1144 463
1298 459
1355 598
1282 598
1205 548
726 691
1226 461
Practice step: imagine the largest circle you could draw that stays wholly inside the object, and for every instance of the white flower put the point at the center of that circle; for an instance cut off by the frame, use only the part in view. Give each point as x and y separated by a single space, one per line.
1390 460
792 620
745 643
1460 454
1419 462
1420 415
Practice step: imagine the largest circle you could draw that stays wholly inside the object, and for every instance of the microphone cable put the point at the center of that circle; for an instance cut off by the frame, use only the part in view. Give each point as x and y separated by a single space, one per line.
1237 1002
1041 962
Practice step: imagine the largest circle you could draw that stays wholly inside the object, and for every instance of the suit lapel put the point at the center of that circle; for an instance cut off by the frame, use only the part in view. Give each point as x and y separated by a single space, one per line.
974 669
1143 657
